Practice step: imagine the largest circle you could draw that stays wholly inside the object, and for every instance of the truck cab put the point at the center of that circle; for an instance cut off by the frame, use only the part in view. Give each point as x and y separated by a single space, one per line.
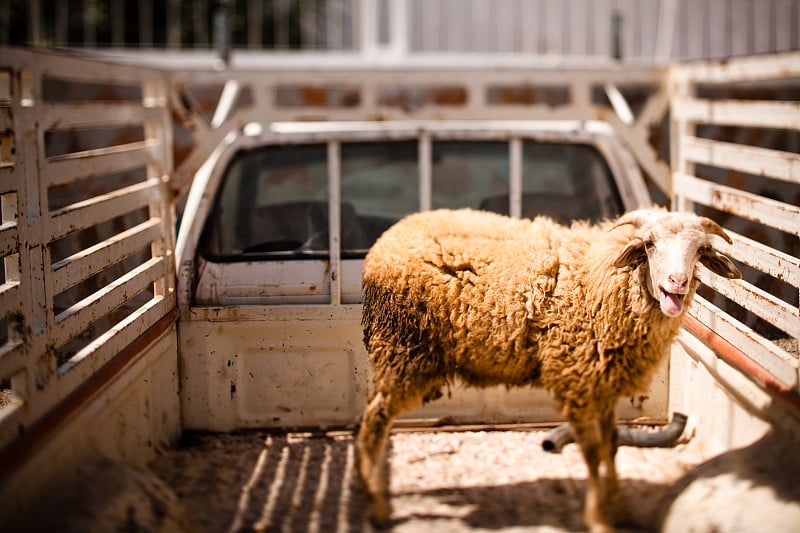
279 220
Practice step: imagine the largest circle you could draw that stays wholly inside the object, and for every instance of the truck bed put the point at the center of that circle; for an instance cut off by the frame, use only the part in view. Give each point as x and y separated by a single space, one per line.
453 480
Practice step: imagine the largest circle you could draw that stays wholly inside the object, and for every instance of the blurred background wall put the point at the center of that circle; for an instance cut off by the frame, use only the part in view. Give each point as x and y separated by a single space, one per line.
643 31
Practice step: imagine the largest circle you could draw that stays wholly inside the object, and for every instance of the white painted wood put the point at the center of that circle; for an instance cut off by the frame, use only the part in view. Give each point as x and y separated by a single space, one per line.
754 160
758 161
777 264
306 366
764 114
28 296
777 312
65 169
93 211
774 359
85 263
779 215
515 177
334 221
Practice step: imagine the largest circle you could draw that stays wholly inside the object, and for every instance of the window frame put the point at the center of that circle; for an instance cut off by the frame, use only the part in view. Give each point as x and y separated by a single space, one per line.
340 281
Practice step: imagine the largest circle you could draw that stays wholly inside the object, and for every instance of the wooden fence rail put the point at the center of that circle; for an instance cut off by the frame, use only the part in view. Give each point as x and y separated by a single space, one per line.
722 166
86 234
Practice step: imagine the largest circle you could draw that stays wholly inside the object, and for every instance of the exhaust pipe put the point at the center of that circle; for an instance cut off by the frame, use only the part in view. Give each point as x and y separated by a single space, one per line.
559 437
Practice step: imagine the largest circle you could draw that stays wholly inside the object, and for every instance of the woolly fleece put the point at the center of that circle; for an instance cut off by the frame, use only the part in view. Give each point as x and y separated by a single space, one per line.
494 300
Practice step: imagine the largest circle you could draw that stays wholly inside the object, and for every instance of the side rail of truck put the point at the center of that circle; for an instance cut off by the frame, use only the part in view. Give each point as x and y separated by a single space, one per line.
87 300
735 151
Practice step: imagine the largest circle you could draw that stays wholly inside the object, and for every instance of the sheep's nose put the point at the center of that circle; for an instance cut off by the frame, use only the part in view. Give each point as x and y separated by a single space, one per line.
678 281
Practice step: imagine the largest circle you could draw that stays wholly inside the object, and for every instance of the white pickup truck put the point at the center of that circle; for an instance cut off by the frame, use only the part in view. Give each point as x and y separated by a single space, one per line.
277 225
116 338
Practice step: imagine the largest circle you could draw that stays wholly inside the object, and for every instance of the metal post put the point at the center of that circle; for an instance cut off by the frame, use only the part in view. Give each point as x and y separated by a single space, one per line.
616 35
222 41
334 221
515 177
425 172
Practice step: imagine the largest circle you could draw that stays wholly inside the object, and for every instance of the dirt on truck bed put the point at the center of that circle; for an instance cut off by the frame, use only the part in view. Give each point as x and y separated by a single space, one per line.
440 481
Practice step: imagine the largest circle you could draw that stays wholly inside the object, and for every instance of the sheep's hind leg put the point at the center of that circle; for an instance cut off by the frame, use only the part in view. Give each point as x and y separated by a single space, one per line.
588 438
371 444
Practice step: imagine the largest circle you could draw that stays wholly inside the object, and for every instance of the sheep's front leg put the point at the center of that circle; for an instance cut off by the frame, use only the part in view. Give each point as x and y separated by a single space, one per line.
371 444
587 435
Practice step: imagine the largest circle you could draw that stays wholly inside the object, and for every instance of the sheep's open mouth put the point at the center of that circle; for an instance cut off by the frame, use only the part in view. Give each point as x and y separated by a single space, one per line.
671 302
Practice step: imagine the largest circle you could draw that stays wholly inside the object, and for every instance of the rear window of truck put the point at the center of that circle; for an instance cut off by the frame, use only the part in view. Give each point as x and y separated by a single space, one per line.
273 202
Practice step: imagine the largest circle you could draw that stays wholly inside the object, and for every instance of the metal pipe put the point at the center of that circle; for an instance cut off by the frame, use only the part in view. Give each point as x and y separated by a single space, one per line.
559 437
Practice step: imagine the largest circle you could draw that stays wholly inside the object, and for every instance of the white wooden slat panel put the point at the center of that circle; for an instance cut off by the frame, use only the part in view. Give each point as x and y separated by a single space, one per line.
776 66
79 316
9 298
105 347
9 238
92 115
31 296
12 358
63 67
750 113
777 312
66 169
779 215
753 160
768 260
86 214
81 265
772 358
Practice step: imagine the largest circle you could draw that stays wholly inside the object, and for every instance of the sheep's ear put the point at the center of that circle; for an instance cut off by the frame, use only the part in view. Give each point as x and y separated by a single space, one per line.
719 264
631 254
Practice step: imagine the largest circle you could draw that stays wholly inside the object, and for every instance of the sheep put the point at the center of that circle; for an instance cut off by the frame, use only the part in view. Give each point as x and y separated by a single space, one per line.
585 312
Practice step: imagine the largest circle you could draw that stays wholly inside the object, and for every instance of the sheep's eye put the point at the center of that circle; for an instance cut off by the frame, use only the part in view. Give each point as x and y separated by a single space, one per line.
649 246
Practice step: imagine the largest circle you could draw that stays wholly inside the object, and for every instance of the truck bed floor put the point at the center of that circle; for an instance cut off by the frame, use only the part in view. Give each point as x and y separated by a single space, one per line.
499 480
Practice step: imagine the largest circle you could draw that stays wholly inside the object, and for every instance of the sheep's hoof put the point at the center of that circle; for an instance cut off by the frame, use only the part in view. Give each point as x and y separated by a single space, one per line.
379 511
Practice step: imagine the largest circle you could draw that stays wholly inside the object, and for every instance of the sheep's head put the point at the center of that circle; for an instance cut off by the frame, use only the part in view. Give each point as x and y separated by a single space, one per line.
672 243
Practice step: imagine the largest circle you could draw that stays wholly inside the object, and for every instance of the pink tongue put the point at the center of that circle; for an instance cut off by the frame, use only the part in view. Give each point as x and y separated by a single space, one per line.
672 303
